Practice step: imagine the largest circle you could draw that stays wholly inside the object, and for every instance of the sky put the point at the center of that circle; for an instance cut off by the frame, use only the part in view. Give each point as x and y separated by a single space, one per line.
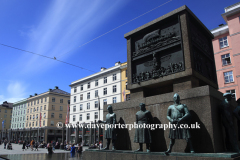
62 29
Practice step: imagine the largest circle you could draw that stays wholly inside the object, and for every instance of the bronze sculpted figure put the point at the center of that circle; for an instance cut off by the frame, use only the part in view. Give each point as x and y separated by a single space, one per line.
142 135
178 114
227 120
236 112
110 133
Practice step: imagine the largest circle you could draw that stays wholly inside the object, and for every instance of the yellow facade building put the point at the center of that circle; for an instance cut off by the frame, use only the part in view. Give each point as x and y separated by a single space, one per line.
5 119
43 114
125 93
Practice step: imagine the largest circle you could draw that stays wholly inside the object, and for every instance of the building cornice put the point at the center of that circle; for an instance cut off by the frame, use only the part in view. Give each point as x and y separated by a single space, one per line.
96 75
220 30
231 10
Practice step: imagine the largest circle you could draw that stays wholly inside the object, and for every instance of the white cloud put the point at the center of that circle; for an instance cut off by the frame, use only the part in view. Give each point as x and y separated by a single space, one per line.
15 91
64 26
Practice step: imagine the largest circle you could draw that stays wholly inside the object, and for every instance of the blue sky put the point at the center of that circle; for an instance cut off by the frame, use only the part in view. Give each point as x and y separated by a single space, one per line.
57 28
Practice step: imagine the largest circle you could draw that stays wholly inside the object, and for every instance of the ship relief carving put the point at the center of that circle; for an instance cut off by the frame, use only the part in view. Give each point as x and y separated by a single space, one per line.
157 70
157 39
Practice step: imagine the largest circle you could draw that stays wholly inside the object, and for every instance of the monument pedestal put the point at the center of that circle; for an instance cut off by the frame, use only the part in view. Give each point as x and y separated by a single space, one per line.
127 155
202 103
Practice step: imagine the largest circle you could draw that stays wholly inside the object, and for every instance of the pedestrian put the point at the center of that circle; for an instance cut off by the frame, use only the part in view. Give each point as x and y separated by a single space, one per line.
31 145
5 143
72 149
36 146
53 144
50 149
24 146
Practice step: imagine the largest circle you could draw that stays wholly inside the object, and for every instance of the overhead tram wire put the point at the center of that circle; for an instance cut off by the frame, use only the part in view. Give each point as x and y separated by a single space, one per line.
119 26
46 57
88 41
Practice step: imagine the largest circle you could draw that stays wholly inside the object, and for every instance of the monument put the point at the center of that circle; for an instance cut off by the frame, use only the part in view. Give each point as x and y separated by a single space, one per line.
171 54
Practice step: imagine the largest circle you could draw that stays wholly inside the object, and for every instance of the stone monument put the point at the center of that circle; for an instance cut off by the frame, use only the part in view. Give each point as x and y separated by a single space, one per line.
171 54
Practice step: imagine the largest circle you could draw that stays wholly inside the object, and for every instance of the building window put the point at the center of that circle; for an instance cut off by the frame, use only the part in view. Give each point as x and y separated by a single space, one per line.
114 77
127 97
53 107
96 82
52 123
33 124
75 89
52 115
61 108
74 98
61 100
37 116
37 110
88 116
233 93
223 42
105 102
114 88
114 99
34 103
96 115
53 99
81 87
88 105
81 97
228 77
226 59
80 117
104 91
5 116
81 107
74 117
44 107
31 103
41 108
31 110
126 73
44 115
38 101
96 93
43 123
74 108
105 80
45 99
60 115
88 85
41 100
96 104
88 95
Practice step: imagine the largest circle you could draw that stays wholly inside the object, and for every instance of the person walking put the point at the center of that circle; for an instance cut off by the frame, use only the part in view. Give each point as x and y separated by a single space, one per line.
36 146
5 143
24 146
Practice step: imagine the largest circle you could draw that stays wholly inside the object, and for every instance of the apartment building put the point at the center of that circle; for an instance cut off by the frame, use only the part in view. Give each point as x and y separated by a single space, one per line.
5 119
87 93
227 51
19 114
42 114
125 92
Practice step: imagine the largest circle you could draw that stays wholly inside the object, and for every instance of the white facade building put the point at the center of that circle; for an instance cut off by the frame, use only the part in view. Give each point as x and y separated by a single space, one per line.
105 84
19 114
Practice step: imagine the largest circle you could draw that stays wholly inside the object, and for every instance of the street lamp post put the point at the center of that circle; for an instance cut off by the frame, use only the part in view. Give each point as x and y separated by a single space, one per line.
98 122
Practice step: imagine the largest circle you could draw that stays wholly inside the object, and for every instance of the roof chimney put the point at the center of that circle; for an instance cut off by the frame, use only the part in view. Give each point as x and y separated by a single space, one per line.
56 87
102 68
50 89
30 95
117 63
35 94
